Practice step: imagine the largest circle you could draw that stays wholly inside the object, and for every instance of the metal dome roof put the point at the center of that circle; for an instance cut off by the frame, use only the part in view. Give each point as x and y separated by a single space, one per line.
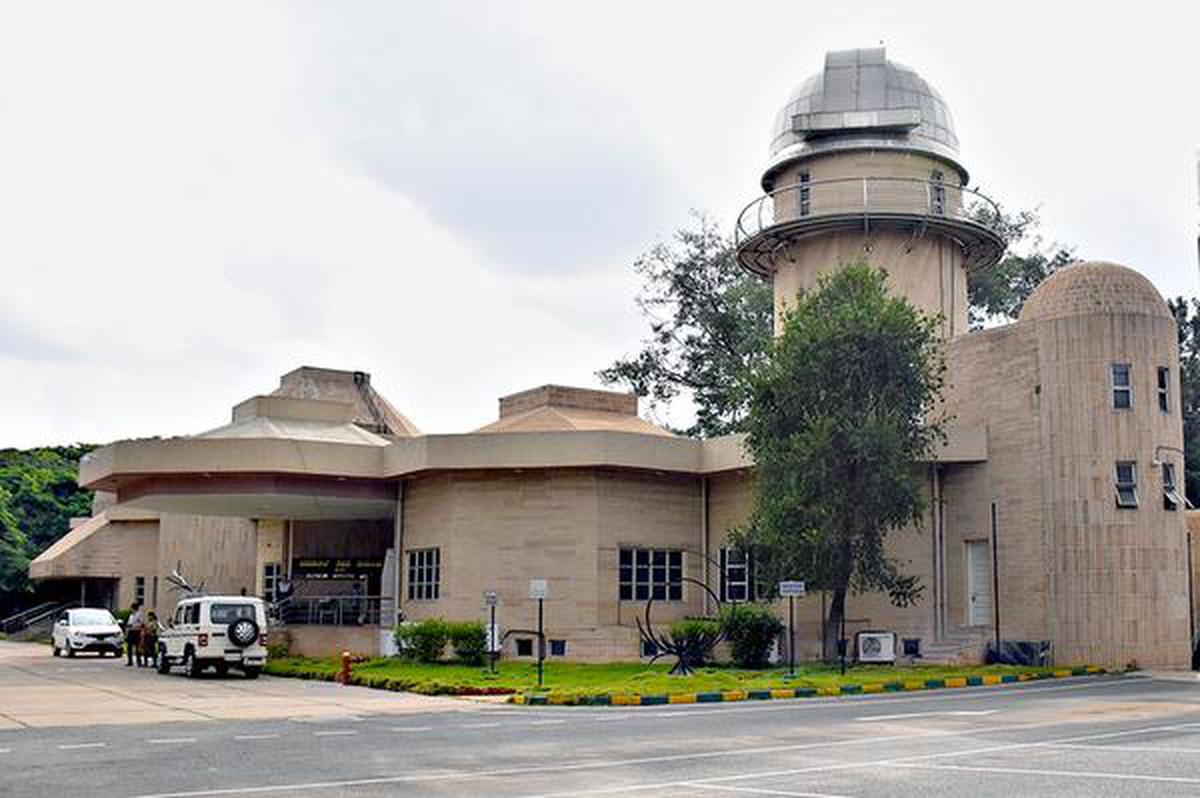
860 100
1094 287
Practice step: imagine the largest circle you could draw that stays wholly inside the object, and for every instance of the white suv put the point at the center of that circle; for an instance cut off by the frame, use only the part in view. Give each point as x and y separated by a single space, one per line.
215 631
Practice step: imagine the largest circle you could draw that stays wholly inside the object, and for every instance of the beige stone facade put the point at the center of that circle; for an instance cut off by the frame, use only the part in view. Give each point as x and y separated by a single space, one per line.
1058 420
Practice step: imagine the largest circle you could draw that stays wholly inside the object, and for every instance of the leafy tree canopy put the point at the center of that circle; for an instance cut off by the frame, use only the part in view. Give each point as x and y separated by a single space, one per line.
1187 316
711 322
38 497
710 326
842 413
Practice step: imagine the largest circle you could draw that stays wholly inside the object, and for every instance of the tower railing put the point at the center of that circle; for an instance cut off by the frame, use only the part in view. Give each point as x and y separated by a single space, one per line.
839 202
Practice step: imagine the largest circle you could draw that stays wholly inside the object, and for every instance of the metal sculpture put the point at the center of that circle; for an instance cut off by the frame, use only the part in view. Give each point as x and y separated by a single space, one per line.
180 584
690 649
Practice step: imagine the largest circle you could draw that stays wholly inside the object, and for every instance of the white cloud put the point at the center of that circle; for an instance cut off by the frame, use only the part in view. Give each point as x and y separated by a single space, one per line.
194 201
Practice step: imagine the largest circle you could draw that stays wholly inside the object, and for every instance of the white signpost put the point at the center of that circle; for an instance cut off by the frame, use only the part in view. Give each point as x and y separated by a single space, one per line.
491 600
792 589
538 589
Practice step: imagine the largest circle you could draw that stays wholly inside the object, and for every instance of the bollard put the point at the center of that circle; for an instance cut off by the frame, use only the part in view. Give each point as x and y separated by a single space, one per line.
345 676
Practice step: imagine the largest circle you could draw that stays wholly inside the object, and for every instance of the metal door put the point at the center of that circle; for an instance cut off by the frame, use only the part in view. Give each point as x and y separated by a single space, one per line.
979 583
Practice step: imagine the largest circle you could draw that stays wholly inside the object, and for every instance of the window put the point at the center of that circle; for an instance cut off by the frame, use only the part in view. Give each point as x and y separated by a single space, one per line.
805 193
1171 497
228 613
558 648
155 594
271 581
139 589
1164 389
1127 497
424 574
651 573
524 647
937 193
1122 387
737 576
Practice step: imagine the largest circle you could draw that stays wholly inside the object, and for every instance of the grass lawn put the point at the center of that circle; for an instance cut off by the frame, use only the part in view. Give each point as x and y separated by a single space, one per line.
569 678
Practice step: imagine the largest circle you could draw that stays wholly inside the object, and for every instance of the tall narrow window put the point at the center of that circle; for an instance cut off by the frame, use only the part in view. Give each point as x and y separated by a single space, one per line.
737 575
139 589
937 193
643 574
1164 389
424 574
270 581
1127 497
805 193
1122 386
1171 497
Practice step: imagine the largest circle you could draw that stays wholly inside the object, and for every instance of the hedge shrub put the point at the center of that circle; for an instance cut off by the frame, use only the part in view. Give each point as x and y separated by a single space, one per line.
750 629
423 641
469 639
691 633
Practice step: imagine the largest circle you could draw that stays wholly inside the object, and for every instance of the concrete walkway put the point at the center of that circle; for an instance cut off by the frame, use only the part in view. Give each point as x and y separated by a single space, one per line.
38 690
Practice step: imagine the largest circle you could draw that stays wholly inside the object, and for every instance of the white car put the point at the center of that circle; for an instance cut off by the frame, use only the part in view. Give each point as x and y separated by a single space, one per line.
87 630
220 632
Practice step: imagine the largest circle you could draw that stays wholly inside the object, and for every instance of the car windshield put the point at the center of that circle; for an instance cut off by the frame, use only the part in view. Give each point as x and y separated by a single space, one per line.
228 613
92 618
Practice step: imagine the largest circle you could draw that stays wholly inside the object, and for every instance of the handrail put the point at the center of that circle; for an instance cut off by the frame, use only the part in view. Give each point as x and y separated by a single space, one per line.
870 195
337 610
49 612
16 618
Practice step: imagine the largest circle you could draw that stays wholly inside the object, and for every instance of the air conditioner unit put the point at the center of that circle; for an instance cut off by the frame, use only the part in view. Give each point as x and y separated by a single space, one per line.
875 647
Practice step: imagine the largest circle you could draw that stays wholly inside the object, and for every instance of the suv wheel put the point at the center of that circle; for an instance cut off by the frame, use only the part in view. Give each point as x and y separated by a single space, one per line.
252 672
70 651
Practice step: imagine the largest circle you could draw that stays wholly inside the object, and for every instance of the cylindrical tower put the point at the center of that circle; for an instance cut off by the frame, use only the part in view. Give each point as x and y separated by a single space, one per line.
1114 548
864 165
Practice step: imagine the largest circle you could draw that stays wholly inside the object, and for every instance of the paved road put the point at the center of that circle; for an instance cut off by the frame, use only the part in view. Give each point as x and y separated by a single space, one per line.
1097 737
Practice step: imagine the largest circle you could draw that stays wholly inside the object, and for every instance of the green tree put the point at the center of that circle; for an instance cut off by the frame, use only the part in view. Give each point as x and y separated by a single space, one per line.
844 413
38 497
711 321
710 326
1187 316
998 294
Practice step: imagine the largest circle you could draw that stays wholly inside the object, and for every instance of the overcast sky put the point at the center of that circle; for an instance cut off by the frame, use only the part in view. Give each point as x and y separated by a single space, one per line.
449 195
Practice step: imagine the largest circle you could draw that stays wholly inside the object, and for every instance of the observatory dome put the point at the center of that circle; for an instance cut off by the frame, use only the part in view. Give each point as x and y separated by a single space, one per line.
862 100
1094 287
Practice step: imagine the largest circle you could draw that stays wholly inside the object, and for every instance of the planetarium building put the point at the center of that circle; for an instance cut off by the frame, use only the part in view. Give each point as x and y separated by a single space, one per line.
1054 513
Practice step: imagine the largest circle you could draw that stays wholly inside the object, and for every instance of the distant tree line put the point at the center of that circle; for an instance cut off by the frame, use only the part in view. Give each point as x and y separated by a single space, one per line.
39 495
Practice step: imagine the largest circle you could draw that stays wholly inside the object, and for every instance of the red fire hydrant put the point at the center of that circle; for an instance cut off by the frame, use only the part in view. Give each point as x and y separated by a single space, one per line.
345 675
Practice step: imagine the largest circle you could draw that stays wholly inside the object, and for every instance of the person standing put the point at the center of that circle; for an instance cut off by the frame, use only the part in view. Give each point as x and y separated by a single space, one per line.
149 641
133 635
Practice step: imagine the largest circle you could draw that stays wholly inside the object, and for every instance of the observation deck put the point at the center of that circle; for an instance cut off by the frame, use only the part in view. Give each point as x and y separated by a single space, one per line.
866 204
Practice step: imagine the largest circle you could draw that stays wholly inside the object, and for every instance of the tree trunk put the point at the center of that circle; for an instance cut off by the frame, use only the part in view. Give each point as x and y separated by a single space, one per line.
833 624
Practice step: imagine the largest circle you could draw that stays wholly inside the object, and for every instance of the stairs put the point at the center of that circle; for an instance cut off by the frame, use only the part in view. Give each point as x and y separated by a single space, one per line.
963 649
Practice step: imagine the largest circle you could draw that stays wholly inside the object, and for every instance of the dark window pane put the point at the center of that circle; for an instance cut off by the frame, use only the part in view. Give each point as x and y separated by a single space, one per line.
643 592
660 557
677 558
676 593
626 557
1122 400
643 557
626 592
660 592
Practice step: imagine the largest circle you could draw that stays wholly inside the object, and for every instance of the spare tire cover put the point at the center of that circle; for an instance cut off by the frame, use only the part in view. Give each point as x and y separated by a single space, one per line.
243 632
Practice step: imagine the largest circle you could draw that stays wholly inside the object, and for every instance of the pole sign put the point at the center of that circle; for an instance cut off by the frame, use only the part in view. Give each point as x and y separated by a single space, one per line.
491 599
788 589
538 589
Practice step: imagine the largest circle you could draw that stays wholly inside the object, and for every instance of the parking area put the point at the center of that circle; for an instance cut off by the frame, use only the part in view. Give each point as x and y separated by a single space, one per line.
119 732
38 691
